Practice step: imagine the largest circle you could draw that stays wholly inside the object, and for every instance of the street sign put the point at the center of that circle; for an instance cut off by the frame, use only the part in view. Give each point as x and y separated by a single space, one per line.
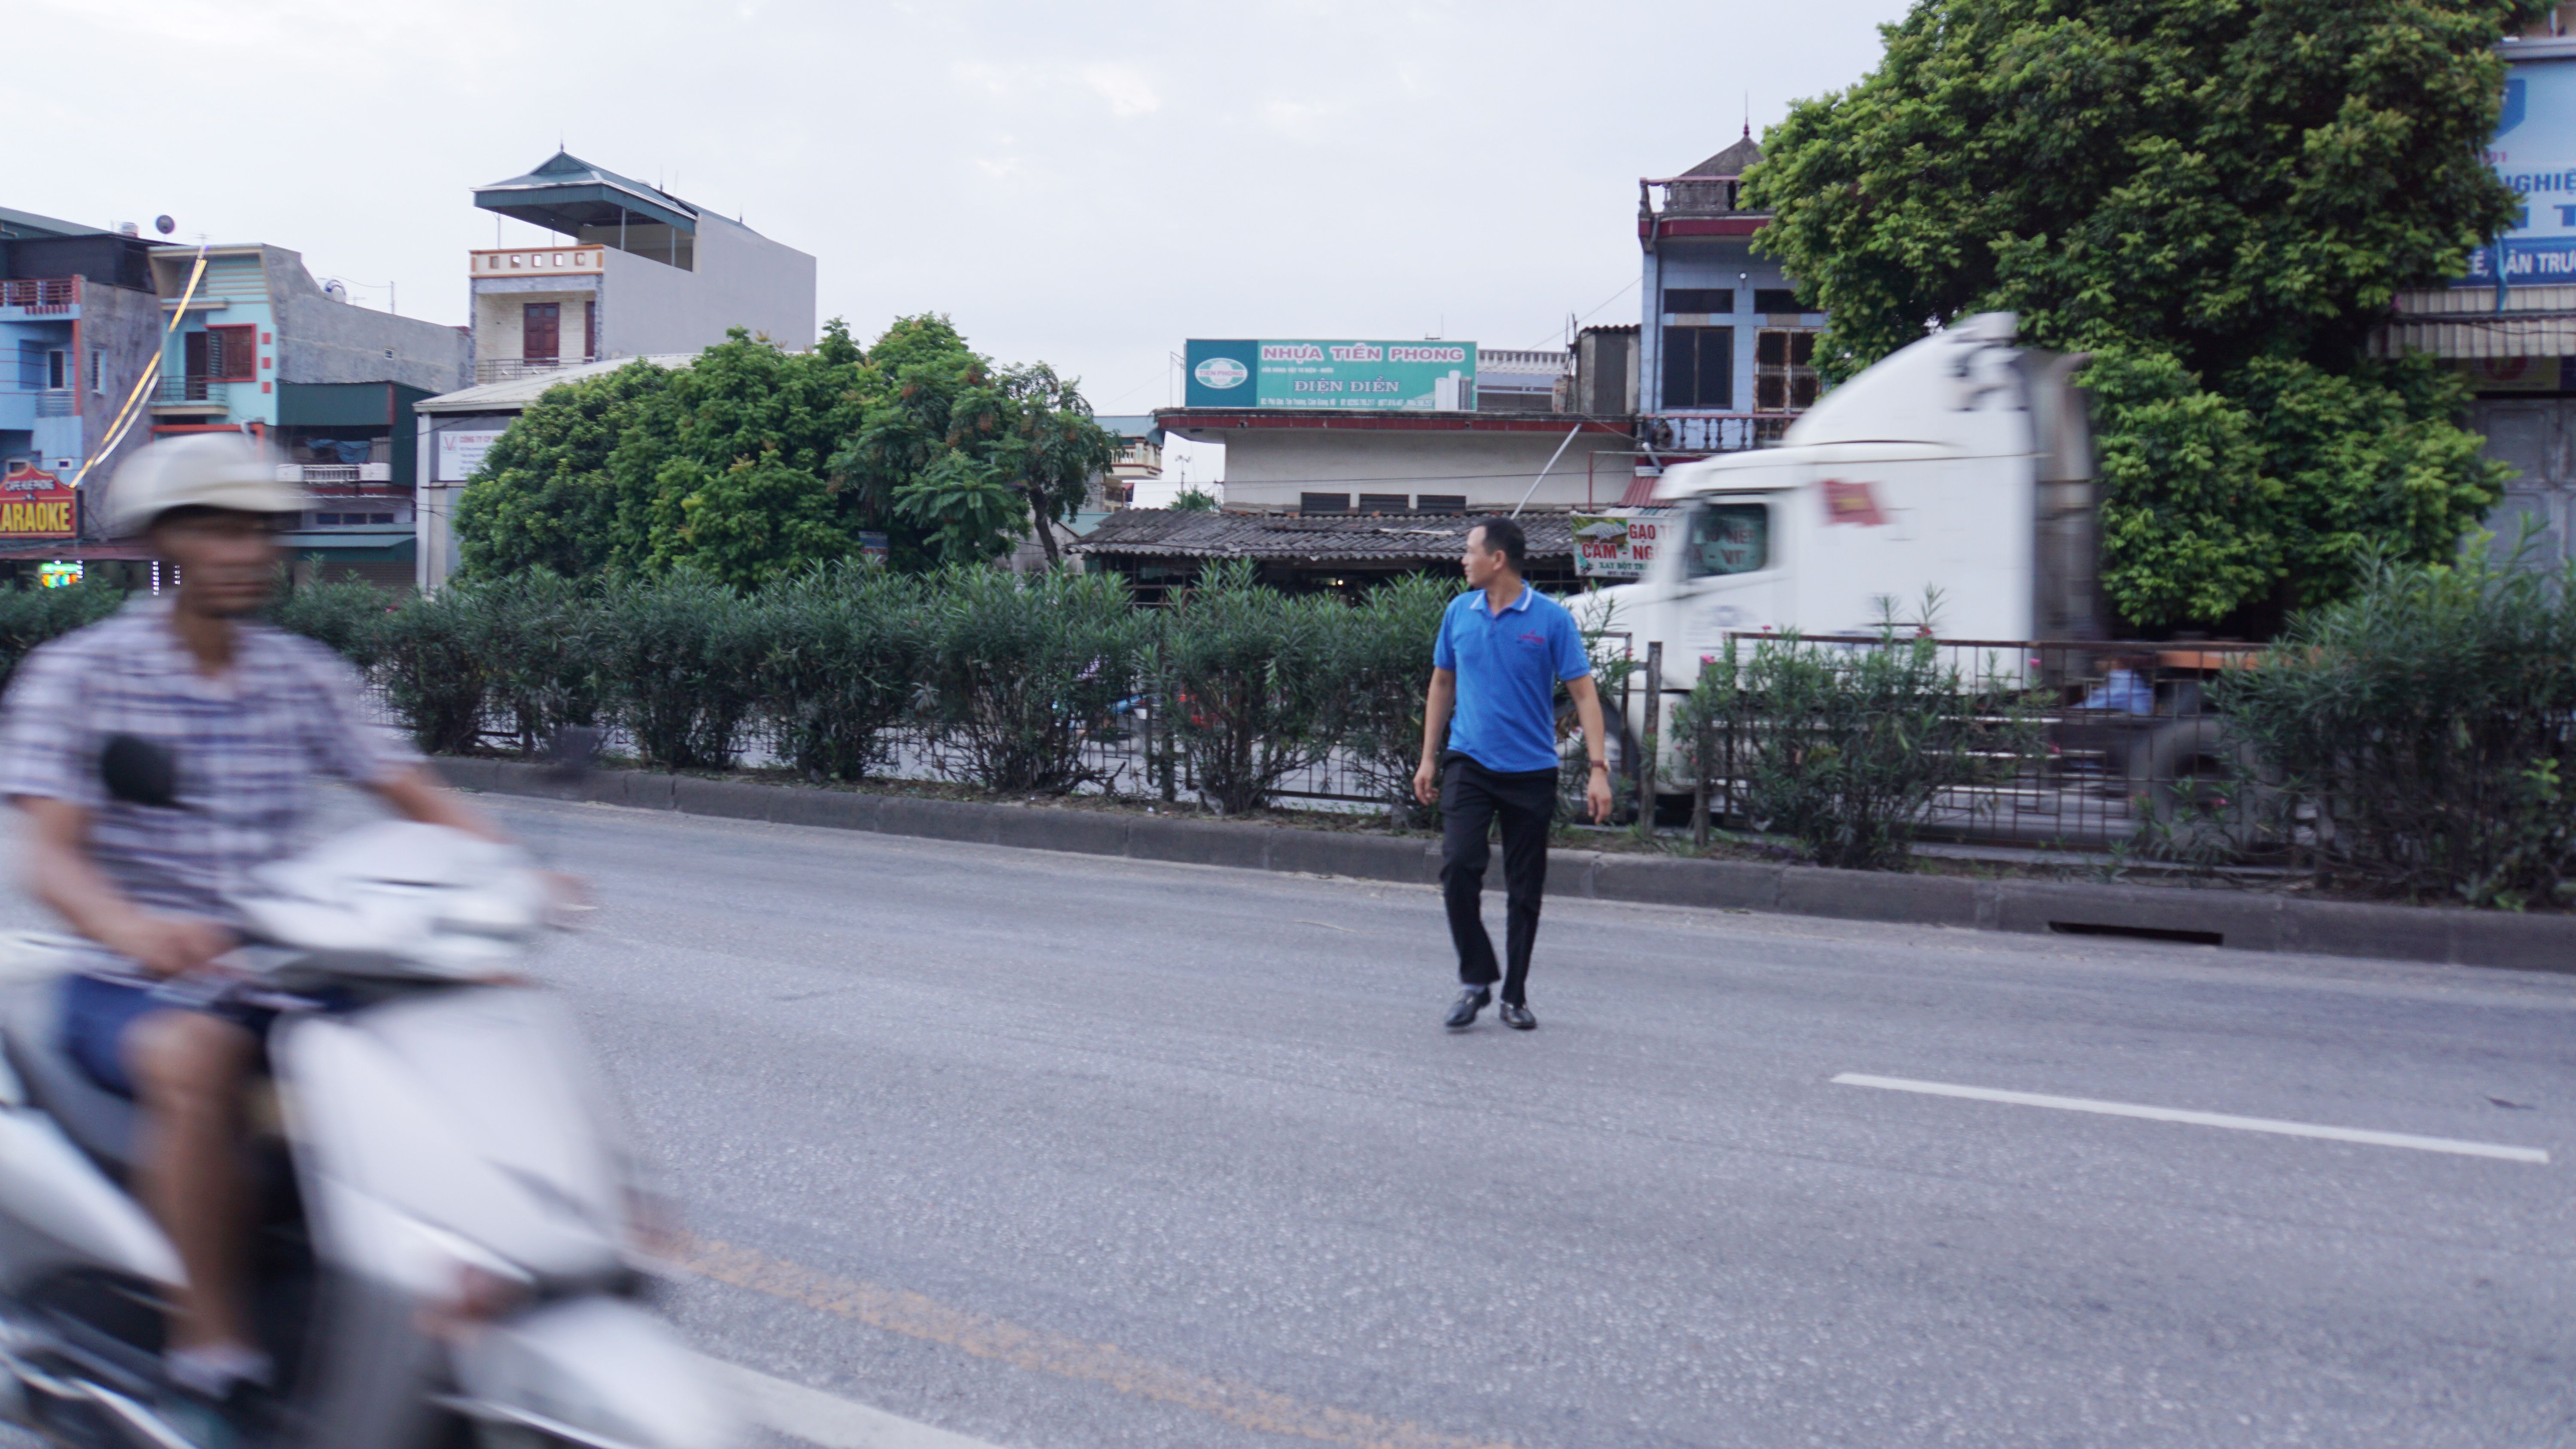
37 504
1428 376
2534 153
1618 546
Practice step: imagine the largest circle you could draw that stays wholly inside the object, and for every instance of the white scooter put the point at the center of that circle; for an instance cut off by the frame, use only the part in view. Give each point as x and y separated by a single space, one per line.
449 1247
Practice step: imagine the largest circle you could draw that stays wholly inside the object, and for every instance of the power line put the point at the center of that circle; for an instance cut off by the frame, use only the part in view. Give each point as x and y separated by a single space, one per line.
1597 306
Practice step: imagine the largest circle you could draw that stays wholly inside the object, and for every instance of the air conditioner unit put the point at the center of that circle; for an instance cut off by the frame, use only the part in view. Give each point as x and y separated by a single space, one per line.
375 472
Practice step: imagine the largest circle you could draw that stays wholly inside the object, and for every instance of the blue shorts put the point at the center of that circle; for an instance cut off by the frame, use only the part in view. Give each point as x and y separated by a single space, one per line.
97 1014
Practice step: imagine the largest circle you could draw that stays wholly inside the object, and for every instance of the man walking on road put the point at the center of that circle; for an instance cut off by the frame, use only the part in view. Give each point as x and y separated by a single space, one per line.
1502 650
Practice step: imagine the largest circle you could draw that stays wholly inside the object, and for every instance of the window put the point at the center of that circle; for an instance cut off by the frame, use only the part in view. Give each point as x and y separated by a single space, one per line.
326 520
1699 367
1440 503
1766 299
223 354
1385 503
98 370
1728 538
1700 299
1311 503
1784 372
58 370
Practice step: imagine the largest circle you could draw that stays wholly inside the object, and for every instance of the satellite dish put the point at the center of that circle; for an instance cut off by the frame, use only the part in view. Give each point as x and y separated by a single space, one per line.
164 225
336 290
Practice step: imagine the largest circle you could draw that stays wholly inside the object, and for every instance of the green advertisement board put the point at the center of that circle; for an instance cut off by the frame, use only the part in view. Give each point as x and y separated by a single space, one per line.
1320 373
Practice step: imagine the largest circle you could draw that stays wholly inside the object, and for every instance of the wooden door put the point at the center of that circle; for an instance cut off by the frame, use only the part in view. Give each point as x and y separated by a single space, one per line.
541 334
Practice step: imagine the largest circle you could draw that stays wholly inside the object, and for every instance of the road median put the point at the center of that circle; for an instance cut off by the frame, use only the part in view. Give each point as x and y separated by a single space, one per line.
2209 916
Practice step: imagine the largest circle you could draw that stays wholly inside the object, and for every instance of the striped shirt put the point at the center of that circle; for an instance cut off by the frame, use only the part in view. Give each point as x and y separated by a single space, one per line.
250 744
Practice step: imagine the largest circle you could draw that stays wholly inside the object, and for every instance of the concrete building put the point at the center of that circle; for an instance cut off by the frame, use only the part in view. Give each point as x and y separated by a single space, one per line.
1725 358
78 326
261 347
638 272
2509 323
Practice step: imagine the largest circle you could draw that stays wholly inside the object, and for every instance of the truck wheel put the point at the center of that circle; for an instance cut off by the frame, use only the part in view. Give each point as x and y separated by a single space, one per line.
2206 789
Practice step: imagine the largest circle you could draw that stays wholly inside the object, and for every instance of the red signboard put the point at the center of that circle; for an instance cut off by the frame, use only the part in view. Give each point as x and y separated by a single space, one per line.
1851 503
36 504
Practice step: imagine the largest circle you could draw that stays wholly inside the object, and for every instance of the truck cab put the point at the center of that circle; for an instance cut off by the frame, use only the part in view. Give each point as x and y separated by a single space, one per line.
1957 469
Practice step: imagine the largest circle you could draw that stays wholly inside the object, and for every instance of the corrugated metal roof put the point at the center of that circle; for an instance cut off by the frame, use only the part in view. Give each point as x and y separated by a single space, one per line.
515 394
1385 539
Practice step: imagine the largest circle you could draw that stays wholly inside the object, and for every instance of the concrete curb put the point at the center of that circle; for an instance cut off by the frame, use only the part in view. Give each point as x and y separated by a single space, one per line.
2215 917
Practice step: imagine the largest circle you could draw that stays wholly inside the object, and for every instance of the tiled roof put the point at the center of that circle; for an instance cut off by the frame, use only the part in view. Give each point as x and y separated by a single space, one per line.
1391 538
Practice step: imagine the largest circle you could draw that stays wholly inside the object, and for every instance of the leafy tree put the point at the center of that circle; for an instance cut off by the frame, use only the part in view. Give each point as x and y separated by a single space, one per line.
755 463
2219 198
543 497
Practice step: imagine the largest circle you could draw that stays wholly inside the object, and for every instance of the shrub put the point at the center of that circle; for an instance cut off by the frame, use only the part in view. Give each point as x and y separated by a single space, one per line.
1381 673
1021 670
842 647
348 617
29 617
678 654
2432 717
431 661
1843 749
540 638
1248 671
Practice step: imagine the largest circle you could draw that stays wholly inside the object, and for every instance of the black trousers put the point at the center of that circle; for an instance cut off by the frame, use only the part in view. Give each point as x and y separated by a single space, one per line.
1471 798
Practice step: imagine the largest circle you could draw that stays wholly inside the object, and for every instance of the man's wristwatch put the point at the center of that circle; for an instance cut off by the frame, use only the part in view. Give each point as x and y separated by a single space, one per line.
1601 764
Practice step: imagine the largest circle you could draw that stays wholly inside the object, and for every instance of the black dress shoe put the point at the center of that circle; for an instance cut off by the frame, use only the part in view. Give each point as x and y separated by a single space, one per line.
1517 1016
1470 1001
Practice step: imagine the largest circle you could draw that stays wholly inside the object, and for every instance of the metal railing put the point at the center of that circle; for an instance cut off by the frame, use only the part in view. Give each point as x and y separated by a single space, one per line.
511 369
47 293
177 390
1715 433
2089 745
54 402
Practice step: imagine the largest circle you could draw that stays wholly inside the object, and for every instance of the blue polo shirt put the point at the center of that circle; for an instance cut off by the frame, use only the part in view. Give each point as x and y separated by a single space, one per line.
1508 663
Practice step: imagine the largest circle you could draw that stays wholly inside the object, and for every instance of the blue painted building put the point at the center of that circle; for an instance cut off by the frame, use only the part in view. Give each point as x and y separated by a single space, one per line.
1726 357
77 318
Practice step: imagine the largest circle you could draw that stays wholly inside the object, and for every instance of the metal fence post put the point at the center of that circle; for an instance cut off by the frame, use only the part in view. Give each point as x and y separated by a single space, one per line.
1699 784
1654 736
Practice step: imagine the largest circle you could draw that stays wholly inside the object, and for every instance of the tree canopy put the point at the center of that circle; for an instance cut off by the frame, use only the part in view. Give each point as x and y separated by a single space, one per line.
755 462
2219 199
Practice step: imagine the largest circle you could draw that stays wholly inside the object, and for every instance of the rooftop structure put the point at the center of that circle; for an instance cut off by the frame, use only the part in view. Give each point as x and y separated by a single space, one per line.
637 271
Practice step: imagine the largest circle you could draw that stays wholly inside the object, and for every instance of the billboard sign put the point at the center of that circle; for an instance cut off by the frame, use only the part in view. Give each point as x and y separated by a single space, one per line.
459 454
37 504
1428 376
2534 152
1619 546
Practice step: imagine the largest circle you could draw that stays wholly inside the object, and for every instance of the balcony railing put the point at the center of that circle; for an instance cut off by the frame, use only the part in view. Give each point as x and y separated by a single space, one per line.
54 402
46 294
187 391
534 261
511 369
1716 433
335 475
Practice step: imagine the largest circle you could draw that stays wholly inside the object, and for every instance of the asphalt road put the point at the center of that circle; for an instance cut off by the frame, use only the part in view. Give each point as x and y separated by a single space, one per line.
1054 1151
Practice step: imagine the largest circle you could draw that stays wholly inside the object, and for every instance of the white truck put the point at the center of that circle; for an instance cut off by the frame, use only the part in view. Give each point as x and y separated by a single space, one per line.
1961 463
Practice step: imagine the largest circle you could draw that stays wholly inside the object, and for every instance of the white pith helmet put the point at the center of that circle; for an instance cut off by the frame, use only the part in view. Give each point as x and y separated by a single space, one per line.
202 470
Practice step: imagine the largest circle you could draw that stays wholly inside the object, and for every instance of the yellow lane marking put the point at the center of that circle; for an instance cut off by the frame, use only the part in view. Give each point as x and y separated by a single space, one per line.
914 1316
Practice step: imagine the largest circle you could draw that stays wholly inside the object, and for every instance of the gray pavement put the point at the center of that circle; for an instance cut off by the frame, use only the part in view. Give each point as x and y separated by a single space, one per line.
1061 1151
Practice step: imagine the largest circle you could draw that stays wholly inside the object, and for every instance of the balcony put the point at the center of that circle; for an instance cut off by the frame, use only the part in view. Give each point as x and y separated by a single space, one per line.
1715 432
511 369
192 395
41 296
337 477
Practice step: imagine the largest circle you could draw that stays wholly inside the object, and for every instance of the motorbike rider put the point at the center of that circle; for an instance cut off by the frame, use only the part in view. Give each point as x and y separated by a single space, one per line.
252 716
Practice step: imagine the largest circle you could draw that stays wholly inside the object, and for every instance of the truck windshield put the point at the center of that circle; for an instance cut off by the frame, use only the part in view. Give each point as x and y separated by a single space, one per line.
1729 538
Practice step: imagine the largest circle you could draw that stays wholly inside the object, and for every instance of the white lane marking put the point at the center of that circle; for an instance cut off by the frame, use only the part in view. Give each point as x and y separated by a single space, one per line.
2460 1146
827 1419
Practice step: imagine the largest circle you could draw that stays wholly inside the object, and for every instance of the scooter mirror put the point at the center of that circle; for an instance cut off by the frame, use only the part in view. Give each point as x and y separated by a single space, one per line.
139 771
570 753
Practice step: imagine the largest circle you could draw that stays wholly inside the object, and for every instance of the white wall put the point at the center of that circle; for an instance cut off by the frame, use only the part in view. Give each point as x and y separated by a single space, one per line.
743 279
1269 467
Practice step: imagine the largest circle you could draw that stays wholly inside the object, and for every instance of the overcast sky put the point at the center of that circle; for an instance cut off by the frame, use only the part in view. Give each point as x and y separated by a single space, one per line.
1083 185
